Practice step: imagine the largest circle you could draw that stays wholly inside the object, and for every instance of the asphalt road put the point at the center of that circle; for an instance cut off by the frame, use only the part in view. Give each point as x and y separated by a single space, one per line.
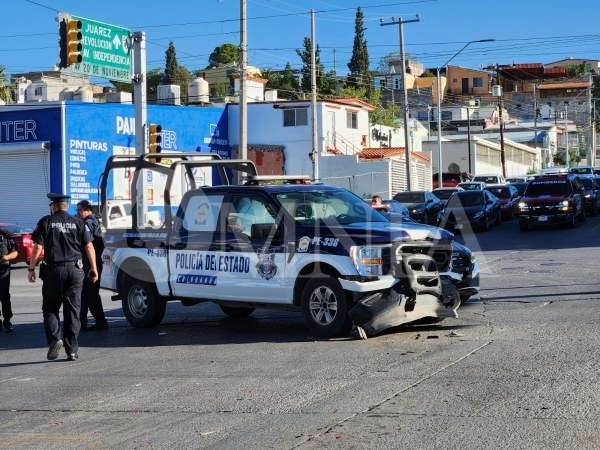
518 369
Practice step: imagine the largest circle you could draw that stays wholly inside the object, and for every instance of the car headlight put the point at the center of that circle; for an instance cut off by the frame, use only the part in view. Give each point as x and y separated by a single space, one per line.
478 214
416 210
368 260
523 205
564 205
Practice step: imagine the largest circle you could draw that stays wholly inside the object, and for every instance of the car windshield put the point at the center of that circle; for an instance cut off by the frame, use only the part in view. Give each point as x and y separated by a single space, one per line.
547 187
463 199
444 195
410 197
470 186
500 192
490 180
339 206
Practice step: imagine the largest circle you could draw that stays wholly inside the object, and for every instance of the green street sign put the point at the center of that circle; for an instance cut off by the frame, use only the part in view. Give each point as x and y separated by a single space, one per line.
105 50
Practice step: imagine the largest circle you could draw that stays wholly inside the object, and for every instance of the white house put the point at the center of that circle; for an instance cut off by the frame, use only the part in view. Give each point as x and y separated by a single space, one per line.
350 151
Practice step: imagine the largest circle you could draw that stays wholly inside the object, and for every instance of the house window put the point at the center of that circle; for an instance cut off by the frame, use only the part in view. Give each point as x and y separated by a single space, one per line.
38 91
352 120
295 117
478 82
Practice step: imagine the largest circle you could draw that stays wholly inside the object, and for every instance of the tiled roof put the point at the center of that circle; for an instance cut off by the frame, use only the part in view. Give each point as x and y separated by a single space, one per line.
388 152
571 84
380 152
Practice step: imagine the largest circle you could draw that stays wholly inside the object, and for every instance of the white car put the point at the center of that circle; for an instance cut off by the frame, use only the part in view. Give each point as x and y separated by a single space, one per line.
490 178
472 185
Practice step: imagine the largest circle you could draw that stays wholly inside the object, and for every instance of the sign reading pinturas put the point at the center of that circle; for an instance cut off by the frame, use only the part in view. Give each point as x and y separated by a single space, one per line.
105 50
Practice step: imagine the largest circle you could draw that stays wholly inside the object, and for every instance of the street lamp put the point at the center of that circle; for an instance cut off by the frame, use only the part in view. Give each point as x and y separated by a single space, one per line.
439 105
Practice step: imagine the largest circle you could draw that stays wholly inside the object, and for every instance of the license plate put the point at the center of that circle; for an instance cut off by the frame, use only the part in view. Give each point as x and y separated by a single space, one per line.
458 226
542 219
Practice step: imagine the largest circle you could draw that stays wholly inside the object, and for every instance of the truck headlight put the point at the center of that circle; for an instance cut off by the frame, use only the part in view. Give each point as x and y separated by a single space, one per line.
368 260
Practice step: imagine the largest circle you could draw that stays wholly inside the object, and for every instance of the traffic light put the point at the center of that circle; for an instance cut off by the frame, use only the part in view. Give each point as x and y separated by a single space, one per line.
154 139
69 42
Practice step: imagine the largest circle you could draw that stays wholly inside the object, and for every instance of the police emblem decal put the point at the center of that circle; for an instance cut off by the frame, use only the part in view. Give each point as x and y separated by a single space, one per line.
265 266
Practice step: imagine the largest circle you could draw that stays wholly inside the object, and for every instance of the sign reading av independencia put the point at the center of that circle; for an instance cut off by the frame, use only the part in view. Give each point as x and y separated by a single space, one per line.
105 52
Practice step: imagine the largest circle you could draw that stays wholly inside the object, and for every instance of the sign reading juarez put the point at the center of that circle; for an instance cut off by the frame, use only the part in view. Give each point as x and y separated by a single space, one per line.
105 50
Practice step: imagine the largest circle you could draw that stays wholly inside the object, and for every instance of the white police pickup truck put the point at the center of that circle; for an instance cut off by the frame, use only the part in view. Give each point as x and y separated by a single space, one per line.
312 248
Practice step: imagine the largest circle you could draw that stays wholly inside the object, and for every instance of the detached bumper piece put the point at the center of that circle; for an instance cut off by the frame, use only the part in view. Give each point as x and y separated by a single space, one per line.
421 293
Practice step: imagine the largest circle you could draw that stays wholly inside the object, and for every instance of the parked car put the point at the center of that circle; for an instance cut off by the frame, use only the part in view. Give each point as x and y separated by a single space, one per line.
393 210
552 199
423 206
472 185
445 193
490 178
520 186
509 199
518 179
475 209
22 238
582 170
450 179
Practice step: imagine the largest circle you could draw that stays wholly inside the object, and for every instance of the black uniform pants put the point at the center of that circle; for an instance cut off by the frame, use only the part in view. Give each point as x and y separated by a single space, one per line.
62 287
91 301
5 298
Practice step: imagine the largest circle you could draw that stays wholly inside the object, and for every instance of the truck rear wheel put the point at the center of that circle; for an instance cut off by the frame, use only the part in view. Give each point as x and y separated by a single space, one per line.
325 307
142 306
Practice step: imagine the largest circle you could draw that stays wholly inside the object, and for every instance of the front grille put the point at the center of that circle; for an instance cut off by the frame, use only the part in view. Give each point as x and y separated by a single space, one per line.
440 253
543 210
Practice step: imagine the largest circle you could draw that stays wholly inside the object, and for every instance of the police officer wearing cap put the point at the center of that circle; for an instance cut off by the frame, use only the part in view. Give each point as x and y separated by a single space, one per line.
63 238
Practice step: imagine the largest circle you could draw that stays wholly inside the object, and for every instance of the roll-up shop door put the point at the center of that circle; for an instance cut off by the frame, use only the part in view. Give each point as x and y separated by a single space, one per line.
24 182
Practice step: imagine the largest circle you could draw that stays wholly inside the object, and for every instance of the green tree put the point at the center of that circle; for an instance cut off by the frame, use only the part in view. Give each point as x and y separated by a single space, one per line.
325 82
176 74
360 74
5 88
285 82
222 55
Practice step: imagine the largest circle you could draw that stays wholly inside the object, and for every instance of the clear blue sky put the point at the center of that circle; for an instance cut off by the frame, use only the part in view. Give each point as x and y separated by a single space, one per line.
526 31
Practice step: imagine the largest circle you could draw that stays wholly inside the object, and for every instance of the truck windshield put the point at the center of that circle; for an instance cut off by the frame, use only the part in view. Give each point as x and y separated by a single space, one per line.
340 206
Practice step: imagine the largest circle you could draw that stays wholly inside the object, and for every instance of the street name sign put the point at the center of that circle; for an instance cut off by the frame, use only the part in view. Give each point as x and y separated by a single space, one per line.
105 50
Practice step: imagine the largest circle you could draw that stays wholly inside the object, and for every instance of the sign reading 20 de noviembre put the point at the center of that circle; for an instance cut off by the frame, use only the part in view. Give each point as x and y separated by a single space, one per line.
105 52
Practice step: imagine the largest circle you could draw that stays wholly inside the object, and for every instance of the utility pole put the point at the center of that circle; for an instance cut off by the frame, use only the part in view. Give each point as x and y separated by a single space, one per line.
407 148
566 135
590 153
243 130
313 97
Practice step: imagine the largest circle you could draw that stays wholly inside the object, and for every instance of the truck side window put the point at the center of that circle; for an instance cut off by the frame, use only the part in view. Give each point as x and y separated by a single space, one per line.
247 211
202 213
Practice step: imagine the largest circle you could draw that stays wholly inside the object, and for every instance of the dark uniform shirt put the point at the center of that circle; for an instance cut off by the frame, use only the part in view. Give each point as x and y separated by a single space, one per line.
63 237
97 240
7 245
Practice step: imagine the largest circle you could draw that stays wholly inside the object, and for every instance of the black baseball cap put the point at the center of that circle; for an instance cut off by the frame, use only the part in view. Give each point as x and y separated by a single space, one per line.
58 198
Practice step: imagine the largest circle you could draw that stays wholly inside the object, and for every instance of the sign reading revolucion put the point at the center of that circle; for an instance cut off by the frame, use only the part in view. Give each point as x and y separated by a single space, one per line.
105 50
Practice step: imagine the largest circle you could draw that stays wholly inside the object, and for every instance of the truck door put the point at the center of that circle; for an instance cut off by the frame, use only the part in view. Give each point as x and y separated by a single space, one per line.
224 247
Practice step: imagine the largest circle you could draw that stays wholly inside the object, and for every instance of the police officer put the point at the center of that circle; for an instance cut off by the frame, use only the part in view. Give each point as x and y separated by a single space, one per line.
90 294
63 238
8 252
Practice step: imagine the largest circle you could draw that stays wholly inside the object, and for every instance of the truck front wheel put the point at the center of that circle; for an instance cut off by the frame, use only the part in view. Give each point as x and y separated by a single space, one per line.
325 307
142 306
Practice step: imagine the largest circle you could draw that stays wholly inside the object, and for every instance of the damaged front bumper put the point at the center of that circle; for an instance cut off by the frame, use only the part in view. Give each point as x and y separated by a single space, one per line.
419 292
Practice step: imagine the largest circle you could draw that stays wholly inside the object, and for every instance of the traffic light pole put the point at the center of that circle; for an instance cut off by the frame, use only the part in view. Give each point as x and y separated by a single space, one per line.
139 91
141 116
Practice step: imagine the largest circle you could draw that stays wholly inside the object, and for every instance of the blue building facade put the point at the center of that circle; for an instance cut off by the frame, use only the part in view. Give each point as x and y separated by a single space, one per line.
63 147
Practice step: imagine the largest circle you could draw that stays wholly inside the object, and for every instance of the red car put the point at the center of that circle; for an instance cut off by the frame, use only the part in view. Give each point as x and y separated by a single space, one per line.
22 238
509 199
